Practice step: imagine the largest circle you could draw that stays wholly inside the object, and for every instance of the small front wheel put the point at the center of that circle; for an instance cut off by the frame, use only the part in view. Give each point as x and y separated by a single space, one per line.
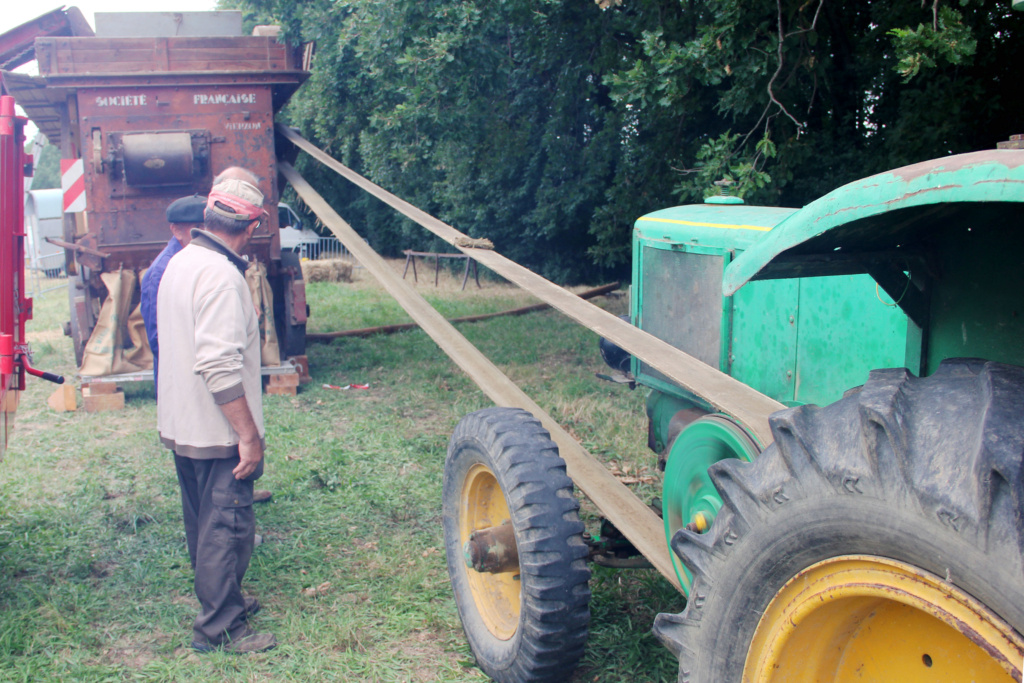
516 555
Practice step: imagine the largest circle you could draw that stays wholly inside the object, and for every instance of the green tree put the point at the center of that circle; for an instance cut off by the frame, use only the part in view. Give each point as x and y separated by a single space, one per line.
549 125
493 116
813 94
47 168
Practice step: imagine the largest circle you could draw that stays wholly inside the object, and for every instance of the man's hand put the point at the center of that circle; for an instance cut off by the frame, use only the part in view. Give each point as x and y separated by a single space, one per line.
250 454
250 450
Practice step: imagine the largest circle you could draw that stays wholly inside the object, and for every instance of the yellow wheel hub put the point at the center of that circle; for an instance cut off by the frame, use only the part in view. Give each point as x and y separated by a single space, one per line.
496 596
862 618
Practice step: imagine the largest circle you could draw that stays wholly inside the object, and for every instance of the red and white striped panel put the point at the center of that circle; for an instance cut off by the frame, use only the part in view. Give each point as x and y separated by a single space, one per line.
72 184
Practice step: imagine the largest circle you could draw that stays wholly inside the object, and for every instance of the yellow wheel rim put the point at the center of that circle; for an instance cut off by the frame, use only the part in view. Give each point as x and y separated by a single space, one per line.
862 618
496 596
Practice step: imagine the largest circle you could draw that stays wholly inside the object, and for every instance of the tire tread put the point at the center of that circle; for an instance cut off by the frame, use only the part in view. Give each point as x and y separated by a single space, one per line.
942 454
555 610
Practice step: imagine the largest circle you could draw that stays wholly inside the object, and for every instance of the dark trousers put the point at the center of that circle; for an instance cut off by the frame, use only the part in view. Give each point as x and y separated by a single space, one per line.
220 528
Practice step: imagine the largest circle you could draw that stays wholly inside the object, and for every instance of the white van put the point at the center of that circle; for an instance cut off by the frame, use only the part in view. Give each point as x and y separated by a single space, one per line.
44 217
294 237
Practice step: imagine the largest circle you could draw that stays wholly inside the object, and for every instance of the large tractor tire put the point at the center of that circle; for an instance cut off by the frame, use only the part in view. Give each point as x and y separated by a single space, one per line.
879 538
525 620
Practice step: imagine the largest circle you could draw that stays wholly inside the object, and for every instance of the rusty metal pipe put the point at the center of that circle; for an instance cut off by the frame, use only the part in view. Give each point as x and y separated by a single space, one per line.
80 248
492 550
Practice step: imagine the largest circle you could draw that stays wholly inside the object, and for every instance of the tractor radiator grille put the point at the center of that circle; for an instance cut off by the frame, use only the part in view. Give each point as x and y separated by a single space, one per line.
681 303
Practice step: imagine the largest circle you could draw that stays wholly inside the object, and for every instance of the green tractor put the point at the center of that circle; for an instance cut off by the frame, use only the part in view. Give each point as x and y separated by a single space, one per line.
878 537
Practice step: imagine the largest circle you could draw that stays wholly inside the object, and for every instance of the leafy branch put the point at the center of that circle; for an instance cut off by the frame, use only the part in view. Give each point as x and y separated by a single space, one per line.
922 48
720 160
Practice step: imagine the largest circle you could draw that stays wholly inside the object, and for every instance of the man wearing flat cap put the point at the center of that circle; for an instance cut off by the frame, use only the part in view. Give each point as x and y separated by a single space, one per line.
183 215
210 410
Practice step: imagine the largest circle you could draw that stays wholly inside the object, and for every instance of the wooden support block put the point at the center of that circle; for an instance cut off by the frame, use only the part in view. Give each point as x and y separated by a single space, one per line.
99 388
63 399
95 403
282 385
289 380
302 365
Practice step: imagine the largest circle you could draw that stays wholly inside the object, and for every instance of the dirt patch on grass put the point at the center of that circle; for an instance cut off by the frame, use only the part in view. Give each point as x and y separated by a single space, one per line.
124 423
427 420
427 652
134 652
188 600
408 468
576 410
99 569
128 522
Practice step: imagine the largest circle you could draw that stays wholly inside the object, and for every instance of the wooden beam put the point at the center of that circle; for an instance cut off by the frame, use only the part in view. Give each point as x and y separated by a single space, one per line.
725 394
401 327
627 512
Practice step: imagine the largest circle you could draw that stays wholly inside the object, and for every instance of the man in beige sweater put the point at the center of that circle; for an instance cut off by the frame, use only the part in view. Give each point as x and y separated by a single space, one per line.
210 410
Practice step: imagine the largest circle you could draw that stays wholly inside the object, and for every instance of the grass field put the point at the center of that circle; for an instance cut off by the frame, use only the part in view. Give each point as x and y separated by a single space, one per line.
95 583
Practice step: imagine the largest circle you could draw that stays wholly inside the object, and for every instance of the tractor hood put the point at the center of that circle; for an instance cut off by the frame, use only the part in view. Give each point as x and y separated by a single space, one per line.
887 220
726 226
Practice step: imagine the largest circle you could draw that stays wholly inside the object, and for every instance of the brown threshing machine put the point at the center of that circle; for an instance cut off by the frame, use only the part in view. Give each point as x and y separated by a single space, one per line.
156 105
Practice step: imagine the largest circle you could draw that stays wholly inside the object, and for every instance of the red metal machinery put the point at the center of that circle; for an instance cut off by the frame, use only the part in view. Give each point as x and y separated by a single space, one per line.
15 309
154 119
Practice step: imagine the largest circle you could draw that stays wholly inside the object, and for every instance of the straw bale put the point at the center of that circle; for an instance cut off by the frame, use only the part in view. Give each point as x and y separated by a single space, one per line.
328 270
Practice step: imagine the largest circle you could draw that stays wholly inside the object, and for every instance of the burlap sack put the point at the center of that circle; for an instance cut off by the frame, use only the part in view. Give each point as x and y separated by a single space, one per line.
104 352
263 300
118 343
139 354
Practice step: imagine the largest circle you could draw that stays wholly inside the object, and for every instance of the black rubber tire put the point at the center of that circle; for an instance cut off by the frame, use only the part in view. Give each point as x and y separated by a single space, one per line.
613 355
291 338
923 471
555 596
